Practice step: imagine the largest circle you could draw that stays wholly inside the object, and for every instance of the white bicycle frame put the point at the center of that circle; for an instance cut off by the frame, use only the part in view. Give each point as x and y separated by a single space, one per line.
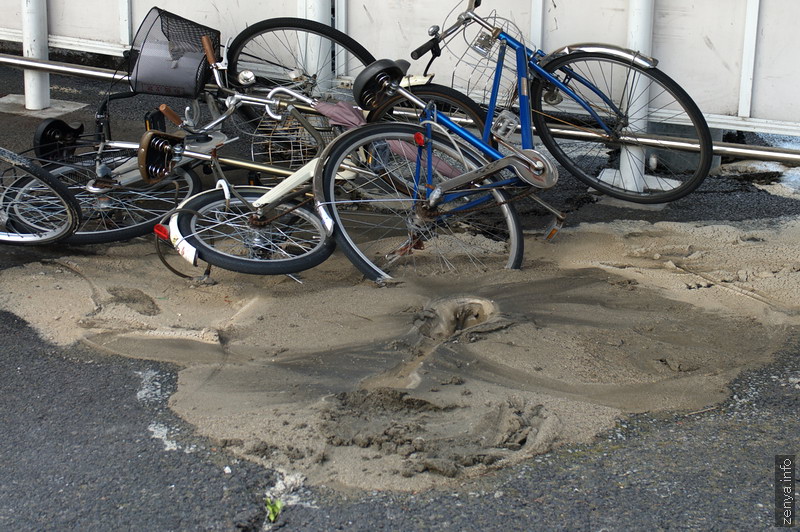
272 197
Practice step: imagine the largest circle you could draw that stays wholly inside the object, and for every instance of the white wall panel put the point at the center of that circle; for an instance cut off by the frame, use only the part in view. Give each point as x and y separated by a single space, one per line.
777 71
699 42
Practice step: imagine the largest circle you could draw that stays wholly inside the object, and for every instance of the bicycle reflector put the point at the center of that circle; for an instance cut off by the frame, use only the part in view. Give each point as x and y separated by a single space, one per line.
161 231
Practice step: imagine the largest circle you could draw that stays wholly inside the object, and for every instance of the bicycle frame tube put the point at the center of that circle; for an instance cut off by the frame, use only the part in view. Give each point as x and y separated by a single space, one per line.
527 58
498 73
474 141
530 59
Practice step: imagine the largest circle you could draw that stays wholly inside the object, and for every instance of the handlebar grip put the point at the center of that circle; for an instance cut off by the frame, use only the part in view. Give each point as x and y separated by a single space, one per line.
425 48
208 47
170 114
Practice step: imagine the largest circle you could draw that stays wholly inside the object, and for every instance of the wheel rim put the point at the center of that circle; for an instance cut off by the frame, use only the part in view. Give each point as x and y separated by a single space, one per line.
117 211
634 162
232 230
299 58
391 234
32 211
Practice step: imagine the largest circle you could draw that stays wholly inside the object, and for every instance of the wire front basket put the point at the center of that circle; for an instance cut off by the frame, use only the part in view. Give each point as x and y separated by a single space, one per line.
476 59
288 142
167 57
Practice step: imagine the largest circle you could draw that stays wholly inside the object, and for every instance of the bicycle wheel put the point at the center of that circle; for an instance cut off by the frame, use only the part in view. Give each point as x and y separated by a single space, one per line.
308 56
659 148
119 205
457 106
35 208
386 230
227 234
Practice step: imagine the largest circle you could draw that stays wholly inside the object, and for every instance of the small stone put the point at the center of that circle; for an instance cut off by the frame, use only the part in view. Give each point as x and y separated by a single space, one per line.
405 450
361 440
389 448
446 468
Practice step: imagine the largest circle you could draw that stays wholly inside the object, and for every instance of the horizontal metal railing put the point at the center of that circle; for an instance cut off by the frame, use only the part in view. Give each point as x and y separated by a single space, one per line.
727 149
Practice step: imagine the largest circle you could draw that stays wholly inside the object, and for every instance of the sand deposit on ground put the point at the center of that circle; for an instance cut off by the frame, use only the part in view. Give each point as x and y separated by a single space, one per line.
424 383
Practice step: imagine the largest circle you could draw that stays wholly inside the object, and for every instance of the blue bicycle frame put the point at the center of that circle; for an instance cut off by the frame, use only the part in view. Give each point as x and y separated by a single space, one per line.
525 59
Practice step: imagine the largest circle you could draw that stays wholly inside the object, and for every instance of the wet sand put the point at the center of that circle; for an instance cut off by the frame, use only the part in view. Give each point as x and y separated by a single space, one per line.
422 384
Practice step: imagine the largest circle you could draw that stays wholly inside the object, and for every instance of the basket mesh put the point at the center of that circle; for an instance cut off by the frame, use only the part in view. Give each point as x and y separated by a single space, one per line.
167 56
476 60
288 143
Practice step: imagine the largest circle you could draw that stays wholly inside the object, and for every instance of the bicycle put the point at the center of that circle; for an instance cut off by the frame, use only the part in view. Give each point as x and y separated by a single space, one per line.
103 173
260 230
35 208
422 201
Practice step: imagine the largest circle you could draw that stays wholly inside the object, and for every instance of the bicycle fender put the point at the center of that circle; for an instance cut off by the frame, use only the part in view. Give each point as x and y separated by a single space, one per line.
610 49
318 189
186 250
416 79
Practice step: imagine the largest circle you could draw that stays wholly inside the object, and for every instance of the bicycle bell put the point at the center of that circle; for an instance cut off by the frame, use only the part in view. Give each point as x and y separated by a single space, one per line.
246 78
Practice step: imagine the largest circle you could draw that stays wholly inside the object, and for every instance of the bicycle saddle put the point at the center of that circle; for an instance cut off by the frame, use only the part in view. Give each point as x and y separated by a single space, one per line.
378 81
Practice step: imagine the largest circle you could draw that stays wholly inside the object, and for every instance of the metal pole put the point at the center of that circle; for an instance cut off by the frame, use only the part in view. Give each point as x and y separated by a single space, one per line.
56 67
34 44
340 22
640 38
316 51
125 30
748 58
537 24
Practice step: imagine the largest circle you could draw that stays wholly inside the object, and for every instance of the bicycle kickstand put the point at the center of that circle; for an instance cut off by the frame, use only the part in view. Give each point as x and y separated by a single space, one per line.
556 223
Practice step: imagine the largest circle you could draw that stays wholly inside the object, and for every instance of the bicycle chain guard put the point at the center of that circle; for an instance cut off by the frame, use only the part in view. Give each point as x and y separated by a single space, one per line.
540 170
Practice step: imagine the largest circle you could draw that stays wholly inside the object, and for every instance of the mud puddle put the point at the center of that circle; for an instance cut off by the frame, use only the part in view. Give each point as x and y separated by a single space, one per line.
424 384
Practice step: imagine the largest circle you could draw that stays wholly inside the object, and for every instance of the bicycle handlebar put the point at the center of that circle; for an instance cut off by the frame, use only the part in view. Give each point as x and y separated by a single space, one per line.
208 47
425 48
464 19
171 115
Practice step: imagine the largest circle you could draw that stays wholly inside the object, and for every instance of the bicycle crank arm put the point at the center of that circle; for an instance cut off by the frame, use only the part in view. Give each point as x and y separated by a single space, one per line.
539 169
546 177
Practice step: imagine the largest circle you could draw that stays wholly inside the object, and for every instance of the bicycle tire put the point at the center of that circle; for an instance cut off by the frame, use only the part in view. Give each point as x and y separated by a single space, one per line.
635 170
270 49
121 212
35 208
226 235
456 105
373 211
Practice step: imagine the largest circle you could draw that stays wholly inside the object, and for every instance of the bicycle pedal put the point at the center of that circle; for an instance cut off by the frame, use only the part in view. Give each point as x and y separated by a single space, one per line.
553 228
505 124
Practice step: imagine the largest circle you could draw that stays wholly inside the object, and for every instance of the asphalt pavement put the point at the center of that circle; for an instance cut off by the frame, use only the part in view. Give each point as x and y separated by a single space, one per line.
89 443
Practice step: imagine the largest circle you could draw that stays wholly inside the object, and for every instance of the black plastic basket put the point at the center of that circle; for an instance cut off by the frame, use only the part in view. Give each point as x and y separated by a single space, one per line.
167 56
